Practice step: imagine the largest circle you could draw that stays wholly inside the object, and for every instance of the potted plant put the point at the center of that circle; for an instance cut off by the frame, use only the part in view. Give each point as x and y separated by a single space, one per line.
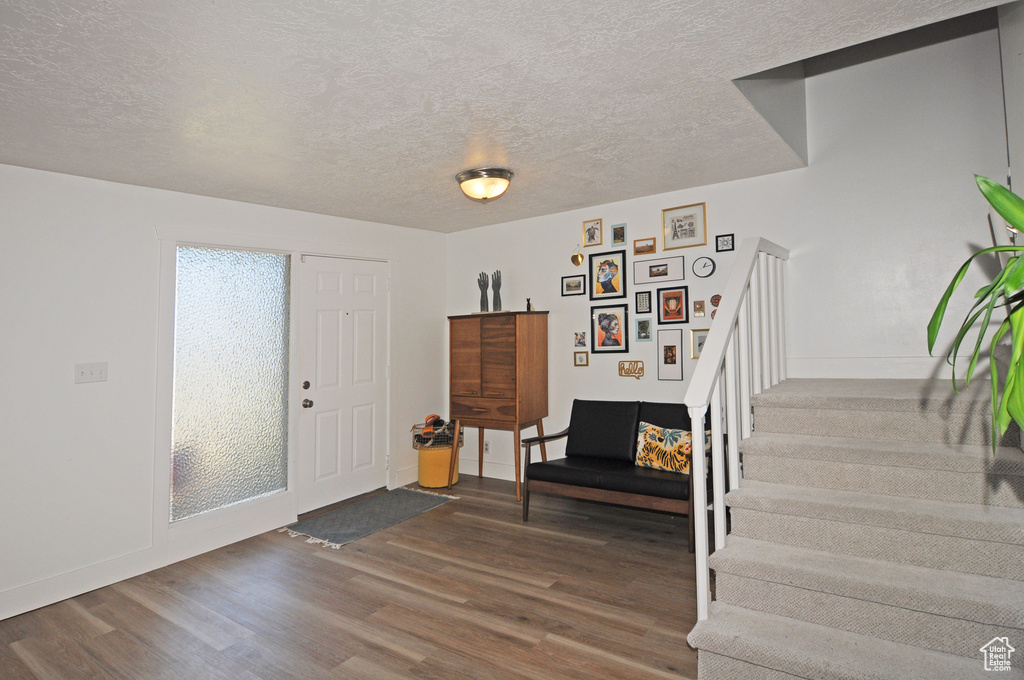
1006 289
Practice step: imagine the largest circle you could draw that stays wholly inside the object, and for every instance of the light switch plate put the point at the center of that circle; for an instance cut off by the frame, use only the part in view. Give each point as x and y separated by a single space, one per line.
89 373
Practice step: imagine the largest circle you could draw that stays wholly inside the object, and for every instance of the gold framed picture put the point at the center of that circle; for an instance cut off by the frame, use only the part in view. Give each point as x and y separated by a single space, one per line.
592 233
580 359
684 226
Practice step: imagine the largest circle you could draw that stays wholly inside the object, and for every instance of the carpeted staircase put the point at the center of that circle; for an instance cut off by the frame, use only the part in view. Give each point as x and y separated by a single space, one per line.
873 535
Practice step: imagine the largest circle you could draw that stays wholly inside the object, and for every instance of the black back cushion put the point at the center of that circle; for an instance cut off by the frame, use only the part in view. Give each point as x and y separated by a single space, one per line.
674 416
603 429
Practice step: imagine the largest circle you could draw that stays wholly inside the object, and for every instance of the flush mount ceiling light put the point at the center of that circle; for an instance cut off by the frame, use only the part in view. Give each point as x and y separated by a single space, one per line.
484 184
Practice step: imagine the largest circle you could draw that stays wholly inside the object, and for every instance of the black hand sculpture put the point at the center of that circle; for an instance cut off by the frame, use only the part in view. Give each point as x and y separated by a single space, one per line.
482 282
496 285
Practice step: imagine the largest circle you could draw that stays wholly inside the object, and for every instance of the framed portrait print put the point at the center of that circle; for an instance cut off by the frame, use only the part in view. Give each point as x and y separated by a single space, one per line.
608 275
673 305
609 329
670 355
580 359
684 227
644 332
643 302
697 338
618 234
574 285
592 235
645 246
656 271
725 242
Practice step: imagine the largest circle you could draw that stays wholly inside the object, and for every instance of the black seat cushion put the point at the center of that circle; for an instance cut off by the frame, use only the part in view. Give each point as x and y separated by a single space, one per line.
647 481
603 429
577 471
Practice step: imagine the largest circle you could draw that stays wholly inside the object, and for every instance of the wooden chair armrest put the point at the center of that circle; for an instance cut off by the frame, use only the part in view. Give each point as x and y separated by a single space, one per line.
530 441
546 438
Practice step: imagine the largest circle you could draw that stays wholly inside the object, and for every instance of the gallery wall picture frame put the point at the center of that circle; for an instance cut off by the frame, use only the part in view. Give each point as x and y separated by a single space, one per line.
644 329
725 243
592 233
580 359
698 308
580 339
574 285
609 329
670 354
684 226
645 246
618 232
608 275
698 336
643 302
674 305
659 270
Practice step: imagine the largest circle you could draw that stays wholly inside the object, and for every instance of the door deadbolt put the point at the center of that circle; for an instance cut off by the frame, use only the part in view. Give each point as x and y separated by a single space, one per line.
307 403
305 384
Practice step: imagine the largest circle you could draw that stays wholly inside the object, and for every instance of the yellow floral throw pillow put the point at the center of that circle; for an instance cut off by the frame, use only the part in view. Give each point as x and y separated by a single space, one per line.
662 448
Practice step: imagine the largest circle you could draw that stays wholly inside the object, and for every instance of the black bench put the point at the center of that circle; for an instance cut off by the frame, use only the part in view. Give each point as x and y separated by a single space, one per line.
600 459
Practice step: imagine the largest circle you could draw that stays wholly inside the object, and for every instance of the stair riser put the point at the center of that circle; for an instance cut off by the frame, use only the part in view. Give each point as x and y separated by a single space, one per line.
994 490
929 426
1000 560
711 665
905 626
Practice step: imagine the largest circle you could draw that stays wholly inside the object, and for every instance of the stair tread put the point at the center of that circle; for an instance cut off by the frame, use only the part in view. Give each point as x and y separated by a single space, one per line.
996 523
966 458
877 394
812 651
983 599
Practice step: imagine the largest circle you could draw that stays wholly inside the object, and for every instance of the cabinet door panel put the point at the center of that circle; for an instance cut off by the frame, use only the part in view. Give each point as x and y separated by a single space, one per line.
498 363
464 357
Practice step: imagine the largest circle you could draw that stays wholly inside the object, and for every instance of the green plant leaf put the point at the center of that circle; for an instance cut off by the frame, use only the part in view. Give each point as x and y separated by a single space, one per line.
1008 204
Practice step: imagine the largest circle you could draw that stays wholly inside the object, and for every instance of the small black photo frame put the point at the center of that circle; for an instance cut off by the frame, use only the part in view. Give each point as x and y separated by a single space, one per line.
574 285
643 302
725 242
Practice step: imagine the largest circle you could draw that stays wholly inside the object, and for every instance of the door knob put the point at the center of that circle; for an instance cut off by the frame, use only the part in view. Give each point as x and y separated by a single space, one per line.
305 384
307 403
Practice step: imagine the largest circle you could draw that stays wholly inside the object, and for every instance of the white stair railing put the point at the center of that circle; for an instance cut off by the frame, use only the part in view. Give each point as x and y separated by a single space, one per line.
743 355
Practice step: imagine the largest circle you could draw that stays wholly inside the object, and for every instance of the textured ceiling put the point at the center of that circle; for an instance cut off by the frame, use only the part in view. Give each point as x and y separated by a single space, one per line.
368 110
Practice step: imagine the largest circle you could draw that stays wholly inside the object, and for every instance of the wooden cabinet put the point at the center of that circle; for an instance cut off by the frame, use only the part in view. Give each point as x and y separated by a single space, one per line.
498 376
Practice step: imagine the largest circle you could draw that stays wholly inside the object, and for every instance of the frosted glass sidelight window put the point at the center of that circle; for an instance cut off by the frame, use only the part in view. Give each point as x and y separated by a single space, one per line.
230 414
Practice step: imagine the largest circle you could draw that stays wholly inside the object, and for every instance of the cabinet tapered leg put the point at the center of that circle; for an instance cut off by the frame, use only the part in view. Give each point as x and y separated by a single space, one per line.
481 452
543 446
518 461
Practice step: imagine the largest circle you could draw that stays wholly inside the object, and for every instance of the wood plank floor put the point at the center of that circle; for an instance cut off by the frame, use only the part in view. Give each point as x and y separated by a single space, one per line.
462 591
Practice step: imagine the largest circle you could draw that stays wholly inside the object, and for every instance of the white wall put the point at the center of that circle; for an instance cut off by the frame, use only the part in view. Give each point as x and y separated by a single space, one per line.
1011 39
80 283
877 225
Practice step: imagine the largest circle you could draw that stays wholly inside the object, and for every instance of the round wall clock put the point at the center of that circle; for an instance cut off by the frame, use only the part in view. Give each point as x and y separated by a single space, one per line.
703 267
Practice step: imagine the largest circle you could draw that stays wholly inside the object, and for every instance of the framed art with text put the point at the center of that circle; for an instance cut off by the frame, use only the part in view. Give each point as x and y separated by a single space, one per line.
684 227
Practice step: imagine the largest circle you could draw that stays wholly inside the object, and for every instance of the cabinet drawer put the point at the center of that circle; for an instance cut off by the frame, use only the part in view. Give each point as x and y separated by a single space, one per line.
465 408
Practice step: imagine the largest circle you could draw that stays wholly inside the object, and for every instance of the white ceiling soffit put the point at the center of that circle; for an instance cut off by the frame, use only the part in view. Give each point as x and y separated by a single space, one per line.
368 110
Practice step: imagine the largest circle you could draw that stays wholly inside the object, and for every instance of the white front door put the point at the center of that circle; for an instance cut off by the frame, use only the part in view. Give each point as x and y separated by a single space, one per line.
343 330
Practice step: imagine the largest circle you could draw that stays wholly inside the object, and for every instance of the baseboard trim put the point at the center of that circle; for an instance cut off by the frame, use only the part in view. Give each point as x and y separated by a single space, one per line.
73 583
